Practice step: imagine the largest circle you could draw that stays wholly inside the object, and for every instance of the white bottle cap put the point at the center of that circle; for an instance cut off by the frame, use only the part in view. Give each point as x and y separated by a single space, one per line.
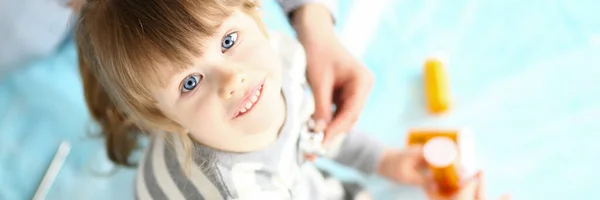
440 151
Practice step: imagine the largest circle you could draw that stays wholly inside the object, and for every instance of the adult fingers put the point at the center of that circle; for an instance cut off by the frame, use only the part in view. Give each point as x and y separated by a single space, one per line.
346 116
353 99
322 85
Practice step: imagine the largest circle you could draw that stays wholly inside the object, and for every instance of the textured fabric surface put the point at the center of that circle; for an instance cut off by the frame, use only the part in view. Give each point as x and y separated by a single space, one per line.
31 30
524 78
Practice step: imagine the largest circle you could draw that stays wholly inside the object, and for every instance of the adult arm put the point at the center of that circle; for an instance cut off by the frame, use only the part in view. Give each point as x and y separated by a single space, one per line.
336 77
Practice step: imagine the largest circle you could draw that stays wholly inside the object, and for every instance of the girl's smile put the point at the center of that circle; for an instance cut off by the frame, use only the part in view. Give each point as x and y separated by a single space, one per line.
249 100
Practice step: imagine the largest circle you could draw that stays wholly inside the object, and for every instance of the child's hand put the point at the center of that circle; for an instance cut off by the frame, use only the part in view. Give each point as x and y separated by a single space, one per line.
314 127
405 166
473 189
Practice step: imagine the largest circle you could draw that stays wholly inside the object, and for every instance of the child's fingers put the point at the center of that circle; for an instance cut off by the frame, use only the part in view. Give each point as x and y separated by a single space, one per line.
414 154
420 167
505 197
412 169
418 176
480 191
310 157
414 179
416 151
468 189
471 189
432 191
317 125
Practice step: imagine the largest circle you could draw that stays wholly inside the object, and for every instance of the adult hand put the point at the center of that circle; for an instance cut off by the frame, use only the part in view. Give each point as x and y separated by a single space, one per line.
76 5
335 76
473 189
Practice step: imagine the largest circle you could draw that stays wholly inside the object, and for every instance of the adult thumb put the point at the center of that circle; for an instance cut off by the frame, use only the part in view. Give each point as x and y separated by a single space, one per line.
323 92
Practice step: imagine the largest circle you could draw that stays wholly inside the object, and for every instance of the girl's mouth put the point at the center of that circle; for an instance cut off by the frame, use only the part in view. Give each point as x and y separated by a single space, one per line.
249 101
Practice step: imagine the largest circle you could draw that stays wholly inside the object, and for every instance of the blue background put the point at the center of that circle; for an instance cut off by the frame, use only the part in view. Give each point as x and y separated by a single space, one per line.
523 74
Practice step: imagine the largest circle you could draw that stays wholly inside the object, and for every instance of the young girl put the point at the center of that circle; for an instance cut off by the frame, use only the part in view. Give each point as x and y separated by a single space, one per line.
223 101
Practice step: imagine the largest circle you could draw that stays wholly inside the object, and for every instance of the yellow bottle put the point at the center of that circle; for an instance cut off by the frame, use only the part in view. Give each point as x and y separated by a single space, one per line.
436 86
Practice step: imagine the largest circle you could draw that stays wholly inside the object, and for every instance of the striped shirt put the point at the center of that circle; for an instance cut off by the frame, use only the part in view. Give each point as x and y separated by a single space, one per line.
276 172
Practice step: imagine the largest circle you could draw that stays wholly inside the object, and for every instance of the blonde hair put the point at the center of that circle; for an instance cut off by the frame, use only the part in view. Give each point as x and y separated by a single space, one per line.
126 47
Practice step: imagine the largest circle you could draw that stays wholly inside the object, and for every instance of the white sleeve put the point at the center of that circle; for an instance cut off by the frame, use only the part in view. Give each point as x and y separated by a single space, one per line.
293 60
289 6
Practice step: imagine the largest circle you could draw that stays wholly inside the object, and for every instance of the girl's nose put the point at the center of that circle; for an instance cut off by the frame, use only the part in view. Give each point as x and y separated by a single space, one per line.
231 82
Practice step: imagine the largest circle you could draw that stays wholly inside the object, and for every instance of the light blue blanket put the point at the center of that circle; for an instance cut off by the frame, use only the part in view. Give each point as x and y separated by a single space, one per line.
524 78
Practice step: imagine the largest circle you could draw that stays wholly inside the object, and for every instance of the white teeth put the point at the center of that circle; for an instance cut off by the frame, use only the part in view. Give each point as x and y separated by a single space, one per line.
253 99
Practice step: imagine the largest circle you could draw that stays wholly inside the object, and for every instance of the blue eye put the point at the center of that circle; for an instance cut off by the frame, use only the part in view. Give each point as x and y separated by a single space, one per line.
190 83
229 41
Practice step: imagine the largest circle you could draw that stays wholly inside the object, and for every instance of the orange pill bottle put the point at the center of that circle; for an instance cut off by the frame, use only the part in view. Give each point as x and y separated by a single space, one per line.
449 155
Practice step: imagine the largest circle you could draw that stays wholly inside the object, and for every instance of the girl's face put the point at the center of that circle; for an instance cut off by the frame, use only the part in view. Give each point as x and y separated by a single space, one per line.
230 99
